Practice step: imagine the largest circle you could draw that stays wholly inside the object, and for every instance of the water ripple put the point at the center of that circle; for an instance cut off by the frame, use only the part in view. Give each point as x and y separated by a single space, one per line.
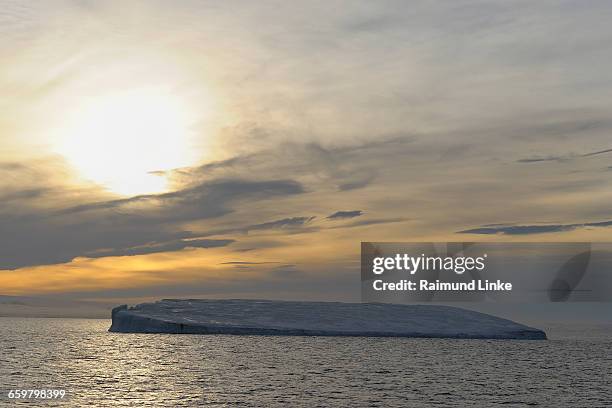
98 368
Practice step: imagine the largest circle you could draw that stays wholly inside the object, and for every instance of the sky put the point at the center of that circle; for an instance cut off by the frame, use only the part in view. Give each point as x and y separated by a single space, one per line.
245 149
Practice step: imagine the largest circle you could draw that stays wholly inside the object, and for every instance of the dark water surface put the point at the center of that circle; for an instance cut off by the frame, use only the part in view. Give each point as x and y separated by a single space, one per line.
97 368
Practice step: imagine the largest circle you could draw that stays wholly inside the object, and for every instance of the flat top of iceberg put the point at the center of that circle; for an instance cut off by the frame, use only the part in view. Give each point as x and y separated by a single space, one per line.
316 318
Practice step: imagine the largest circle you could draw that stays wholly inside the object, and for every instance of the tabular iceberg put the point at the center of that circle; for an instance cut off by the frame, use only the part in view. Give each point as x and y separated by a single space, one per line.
266 317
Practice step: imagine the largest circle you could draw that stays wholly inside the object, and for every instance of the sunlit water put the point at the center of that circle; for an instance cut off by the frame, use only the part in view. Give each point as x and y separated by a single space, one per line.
98 368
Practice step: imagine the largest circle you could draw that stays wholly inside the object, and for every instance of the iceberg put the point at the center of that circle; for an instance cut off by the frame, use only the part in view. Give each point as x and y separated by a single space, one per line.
289 318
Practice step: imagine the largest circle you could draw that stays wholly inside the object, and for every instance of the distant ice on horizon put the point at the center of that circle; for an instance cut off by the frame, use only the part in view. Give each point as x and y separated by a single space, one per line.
266 317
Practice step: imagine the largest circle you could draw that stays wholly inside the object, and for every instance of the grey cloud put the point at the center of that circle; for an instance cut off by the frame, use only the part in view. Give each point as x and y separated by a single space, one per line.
345 168
208 199
597 153
39 240
374 221
294 222
26 194
286 271
253 246
281 270
246 263
519 229
340 215
533 229
556 126
536 159
286 266
161 247
287 224
357 182
126 226
541 159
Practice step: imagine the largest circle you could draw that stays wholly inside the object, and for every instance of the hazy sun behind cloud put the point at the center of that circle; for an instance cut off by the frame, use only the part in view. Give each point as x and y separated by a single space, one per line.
118 139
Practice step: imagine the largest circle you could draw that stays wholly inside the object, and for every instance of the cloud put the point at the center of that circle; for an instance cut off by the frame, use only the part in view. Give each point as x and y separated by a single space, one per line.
34 235
541 159
208 199
294 222
26 194
54 224
247 263
341 215
556 125
533 229
347 167
537 159
374 221
597 153
175 245
357 182
287 271
291 225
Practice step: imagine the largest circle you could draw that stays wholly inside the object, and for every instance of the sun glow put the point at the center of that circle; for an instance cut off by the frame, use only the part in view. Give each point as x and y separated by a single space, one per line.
121 140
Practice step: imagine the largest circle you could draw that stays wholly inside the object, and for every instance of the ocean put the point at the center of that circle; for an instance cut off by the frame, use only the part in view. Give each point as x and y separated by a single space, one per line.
97 368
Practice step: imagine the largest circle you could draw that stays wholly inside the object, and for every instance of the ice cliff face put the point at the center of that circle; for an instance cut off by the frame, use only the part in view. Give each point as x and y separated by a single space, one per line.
264 317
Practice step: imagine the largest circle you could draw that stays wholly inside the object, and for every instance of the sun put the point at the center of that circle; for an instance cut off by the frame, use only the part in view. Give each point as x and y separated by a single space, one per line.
122 140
